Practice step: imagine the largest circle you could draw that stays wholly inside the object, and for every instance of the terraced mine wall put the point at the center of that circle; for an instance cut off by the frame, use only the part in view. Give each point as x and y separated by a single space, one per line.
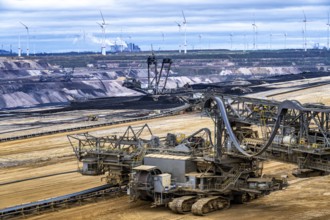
60 79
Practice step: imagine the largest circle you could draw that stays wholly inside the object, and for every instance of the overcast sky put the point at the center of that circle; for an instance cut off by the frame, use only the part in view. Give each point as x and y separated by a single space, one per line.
70 25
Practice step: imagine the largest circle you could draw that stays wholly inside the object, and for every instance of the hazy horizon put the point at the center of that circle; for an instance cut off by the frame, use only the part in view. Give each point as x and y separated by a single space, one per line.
71 25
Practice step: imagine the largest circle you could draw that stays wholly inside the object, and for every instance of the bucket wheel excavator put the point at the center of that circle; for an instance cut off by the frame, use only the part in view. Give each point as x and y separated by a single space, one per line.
209 177
201 178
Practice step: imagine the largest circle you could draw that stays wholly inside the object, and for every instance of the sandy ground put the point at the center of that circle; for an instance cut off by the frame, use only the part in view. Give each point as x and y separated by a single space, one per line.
57 146
287 90
310 95
303 199
48 187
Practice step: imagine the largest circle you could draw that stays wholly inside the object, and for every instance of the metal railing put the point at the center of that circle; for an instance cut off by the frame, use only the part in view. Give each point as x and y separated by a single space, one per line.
53 204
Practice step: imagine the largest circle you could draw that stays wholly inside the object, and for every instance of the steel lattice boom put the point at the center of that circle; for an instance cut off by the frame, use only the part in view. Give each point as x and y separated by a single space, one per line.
287 131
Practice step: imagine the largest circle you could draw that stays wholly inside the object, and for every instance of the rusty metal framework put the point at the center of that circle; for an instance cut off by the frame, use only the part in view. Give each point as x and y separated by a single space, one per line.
196 144
154 81
286 131
112 154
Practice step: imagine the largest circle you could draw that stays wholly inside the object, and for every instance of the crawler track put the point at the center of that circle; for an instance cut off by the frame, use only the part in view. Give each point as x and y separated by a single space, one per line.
170 112
209 204
182 204
53 204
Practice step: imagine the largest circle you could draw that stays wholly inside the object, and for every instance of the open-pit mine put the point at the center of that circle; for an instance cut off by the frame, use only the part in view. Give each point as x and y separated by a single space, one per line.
209 134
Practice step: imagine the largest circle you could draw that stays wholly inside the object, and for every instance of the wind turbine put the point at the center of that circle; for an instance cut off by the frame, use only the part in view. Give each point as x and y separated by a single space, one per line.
102 26
200 40
285 35
82 38
185 32
163 36
231 40
103 50
254 26
27 39
163 39
130 43
328 24
303 37
121 39
270 40
304 32
19 46
180 26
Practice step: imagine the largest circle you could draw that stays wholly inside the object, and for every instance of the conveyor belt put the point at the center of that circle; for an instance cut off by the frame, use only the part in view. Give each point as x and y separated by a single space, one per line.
282 109
57 202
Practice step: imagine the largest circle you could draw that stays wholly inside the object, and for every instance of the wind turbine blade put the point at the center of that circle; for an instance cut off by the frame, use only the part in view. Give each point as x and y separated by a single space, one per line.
178 24
152 49
102 17
99 24
305 20
24 25
184 17
328 19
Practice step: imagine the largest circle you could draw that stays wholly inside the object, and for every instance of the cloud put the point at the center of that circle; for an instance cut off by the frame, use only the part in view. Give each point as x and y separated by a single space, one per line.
55 4
62 23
